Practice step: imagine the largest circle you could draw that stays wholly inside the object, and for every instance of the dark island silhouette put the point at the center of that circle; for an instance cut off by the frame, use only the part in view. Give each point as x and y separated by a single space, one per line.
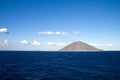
79 46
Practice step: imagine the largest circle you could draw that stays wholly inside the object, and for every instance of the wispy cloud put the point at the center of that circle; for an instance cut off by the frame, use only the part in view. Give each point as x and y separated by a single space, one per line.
55 44
5 42
25 42
76 32
36 43
60 44
4 30
101 45
46 33
60 33
52 33
96 44
109 45
52 43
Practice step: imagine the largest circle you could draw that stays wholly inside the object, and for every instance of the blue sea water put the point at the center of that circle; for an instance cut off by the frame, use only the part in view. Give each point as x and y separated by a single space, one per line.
38 65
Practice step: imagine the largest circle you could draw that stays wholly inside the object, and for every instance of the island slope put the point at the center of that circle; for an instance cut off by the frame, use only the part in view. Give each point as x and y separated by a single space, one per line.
79 46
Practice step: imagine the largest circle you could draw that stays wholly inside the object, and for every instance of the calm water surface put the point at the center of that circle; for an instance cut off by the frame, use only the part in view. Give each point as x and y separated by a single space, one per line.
35 65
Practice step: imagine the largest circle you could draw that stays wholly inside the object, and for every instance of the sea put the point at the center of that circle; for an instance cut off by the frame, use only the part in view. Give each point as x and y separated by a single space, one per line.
53 65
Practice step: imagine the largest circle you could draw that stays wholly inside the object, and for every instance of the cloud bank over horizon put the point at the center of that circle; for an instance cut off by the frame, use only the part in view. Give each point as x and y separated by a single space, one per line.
47 46
52 44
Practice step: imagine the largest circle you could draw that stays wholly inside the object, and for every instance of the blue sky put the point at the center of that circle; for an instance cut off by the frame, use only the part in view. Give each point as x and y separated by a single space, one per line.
52 24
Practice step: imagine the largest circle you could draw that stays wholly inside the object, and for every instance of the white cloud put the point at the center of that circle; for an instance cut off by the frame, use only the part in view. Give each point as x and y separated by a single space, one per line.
95 44
5 42
4 30
60 33
52 33
42 33
76 32
109 45
60 44
49 32
46 33
55 44
101 45
25 42
52 43
36 43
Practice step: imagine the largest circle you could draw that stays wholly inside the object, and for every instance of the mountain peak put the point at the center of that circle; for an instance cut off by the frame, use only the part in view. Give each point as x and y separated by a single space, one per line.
79 46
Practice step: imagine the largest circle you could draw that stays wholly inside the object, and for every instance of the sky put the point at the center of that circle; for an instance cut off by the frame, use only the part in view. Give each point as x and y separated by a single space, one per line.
53 24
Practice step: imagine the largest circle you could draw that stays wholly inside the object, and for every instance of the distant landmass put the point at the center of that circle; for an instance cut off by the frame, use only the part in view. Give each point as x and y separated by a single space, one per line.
79 46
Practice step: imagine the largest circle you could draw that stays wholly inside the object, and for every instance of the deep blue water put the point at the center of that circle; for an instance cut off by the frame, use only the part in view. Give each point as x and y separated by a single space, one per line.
35 65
